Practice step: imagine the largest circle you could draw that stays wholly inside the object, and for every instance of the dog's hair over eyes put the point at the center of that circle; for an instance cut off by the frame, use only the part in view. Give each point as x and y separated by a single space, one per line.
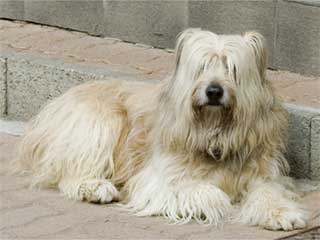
210 135
245 125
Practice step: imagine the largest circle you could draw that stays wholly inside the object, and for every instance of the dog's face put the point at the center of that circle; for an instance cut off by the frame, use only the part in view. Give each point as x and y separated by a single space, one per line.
218 84
213 87
218 72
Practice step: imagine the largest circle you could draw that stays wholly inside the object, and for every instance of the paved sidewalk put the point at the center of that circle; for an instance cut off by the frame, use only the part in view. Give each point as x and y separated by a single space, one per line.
44 214
149 63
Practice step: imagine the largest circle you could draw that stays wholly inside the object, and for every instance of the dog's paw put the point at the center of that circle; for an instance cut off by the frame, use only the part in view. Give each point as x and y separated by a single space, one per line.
98 191
284 215
286 219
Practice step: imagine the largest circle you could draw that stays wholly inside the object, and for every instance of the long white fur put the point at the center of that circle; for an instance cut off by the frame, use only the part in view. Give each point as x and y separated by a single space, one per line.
162 150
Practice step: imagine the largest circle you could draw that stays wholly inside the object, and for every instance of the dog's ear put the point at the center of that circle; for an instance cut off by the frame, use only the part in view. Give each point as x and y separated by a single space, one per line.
181 40
258 45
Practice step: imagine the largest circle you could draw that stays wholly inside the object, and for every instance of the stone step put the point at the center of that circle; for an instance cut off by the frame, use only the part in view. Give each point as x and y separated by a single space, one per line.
291 26
38 63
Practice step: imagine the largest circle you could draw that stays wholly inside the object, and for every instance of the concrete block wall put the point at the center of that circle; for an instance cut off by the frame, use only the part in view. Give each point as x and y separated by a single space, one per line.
304 141
12 9
31 75
3 86
297 44
156 23
315 147
291 27
79 15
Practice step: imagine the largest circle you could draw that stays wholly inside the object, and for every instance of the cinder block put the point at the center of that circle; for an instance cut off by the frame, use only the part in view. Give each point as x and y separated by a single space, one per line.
299 140
80 15
315 148
297 44
156 23
3 88
12 9
229 17
32 81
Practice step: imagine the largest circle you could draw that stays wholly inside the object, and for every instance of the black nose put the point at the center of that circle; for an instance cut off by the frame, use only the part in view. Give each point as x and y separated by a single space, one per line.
214 93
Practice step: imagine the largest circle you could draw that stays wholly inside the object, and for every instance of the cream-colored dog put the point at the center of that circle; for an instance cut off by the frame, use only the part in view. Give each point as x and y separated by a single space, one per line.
187 148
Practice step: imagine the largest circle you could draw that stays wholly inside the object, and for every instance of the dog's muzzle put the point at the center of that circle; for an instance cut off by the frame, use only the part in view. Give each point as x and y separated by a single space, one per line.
214 93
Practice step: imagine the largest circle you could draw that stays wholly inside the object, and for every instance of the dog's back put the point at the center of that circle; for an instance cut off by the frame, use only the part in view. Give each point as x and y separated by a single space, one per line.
74 138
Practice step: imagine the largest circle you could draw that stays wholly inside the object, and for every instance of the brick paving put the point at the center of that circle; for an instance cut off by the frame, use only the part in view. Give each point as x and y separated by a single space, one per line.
312 234
81 48
45 214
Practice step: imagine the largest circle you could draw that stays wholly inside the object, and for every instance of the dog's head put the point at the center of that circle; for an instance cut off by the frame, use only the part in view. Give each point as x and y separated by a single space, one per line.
219 85
218 72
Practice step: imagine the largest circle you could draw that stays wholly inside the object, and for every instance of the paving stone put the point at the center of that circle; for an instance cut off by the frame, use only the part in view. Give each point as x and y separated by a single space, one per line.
291 87
315 148
297 44
42 41
106 51
45 214
71 46
150 60
20 32
51 225
24 215
3 86
230 17
6 24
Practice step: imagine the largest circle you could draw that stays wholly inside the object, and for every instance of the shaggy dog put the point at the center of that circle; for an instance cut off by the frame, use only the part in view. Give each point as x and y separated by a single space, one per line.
189 147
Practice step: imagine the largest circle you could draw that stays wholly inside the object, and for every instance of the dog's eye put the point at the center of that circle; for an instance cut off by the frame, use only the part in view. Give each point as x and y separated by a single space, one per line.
235 75
226 67
200 71
225 63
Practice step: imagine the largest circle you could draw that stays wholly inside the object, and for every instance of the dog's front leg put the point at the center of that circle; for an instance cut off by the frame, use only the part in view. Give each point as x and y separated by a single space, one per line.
202 201
164 188
272 205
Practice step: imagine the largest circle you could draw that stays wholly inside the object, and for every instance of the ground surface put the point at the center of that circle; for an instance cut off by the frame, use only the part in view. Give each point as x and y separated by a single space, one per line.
44 214
80 48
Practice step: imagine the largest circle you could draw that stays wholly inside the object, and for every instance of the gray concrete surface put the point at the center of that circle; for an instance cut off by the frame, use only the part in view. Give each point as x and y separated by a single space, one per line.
80 15
45 214
30 76
156 23
297 41
3 86
315 148
12 9
300 141
292 28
